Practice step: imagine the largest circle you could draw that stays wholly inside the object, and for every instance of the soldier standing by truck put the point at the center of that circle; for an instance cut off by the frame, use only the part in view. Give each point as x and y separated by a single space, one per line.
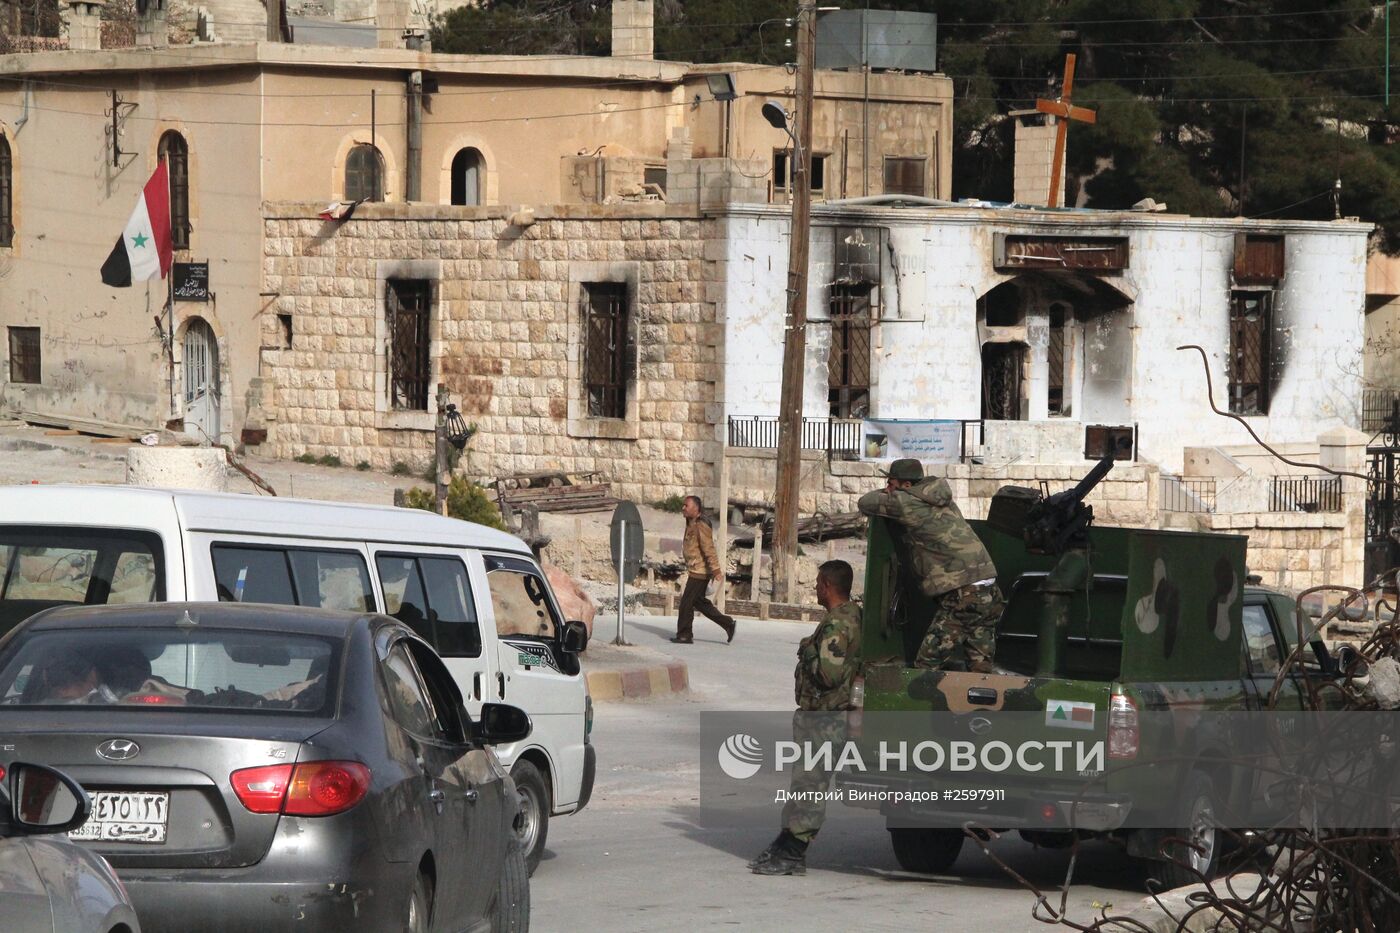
946 576
827 662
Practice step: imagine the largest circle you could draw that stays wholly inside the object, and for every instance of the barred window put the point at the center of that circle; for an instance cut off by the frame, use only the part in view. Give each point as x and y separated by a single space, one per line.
1057 403
24 355
176 155
7 200
364 174
848 363
605 349
905 175
409 306
1251 321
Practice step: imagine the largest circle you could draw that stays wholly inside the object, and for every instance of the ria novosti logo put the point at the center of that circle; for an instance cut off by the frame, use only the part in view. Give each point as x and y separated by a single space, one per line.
740 756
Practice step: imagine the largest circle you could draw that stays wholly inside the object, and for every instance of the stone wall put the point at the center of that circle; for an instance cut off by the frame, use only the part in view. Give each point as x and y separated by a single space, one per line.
505 329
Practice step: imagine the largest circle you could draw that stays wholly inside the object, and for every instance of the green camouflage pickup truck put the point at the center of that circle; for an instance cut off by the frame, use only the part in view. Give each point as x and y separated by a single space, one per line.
1125 637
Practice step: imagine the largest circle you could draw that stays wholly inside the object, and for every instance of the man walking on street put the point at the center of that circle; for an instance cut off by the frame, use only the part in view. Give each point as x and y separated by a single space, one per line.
702 566
827 663
943 565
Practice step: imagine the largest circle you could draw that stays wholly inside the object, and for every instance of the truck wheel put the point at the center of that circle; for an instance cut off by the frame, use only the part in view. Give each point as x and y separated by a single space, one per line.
927 851
511 911
535 805
1203 857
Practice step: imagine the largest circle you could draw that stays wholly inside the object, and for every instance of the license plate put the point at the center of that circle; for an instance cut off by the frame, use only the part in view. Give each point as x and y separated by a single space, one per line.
126 816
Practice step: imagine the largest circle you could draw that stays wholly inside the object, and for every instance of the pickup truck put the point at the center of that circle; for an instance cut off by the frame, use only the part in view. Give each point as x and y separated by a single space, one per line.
1125 637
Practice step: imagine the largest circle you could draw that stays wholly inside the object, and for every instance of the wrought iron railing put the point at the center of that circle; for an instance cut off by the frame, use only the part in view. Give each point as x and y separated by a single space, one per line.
1305 494
838 437
1187 494
1379 408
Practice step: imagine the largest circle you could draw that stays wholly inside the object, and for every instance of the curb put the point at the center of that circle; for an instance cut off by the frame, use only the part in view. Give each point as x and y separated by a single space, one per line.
638 682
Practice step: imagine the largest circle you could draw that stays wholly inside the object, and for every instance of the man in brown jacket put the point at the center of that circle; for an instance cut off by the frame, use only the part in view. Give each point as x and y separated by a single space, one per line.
702 566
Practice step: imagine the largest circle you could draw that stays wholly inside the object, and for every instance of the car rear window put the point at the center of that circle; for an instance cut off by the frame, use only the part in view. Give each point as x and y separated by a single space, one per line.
158 669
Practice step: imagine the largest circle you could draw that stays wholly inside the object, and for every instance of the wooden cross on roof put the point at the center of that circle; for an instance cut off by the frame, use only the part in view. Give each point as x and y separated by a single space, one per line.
1064 111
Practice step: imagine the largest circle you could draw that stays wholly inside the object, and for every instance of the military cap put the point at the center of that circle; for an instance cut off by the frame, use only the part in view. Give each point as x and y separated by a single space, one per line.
906 469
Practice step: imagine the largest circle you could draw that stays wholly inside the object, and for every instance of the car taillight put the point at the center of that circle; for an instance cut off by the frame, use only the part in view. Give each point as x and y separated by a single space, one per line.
320 788
1122 727
312 788
261 790
587 717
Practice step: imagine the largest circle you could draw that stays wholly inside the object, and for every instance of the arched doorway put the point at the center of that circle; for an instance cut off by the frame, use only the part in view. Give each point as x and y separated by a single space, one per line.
468 177
201 381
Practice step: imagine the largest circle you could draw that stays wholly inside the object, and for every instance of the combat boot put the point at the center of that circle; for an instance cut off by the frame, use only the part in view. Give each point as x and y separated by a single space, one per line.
767 853
788 857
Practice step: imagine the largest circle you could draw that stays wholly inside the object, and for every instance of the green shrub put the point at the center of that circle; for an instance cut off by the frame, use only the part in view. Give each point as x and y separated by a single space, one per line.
465 500
330 460
305 458
400 468
362 466
672 503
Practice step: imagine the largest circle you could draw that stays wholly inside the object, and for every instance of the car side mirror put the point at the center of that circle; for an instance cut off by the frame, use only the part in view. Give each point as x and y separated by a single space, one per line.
575 637
501 724
1350 661
45 801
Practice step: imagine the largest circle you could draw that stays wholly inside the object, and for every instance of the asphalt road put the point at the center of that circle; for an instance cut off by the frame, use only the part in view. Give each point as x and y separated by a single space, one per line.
644 856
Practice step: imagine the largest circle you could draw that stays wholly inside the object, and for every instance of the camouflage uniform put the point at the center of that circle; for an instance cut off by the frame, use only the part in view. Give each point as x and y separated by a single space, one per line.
941 555
827 662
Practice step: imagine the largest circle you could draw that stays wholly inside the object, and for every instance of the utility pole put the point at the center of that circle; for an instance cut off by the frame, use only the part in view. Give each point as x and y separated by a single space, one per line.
795 321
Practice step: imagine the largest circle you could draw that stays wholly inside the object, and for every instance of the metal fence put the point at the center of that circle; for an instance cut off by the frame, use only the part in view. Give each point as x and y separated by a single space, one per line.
1182 494
837 437
1305 494
1377 408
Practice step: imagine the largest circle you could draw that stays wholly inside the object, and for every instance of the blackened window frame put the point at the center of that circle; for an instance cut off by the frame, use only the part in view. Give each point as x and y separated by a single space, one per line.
26 355
1250 360
364 173
902 186
408 306
175 152
607 325
7 194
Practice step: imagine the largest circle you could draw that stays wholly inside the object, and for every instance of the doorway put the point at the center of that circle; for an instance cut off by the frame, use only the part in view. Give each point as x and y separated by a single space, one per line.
201 377
1002 368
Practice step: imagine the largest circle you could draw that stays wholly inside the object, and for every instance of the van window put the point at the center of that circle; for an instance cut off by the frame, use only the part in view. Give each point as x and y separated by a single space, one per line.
292 577
520 600
433 596
49 566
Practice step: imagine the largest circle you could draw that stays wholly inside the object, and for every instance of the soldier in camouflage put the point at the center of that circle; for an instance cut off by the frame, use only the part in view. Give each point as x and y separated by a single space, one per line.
943 558
827 662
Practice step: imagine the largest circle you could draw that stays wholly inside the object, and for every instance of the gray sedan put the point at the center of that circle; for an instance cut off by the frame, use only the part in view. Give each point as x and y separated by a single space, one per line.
263 767
46 882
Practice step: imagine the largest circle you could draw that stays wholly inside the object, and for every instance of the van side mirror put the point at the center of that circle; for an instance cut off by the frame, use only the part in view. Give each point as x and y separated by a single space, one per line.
575 637
501 724
45 801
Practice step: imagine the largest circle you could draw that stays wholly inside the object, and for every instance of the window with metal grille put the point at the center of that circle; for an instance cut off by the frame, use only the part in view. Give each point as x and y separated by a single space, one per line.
1251 321
364 174
848 363
905 175
7 199
782 175
176 154
409 306
605 349
24 355
1056 402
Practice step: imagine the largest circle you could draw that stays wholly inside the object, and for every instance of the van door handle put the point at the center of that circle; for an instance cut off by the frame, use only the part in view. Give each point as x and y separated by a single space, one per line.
476 686
500 685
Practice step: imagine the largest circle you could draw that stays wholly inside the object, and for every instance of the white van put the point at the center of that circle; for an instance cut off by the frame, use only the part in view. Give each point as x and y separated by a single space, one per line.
474 593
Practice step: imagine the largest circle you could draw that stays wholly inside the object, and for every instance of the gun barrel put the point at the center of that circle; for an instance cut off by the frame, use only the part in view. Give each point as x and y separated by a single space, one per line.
1092 479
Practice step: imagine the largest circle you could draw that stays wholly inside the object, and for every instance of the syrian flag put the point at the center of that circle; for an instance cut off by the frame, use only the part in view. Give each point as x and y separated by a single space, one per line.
143 250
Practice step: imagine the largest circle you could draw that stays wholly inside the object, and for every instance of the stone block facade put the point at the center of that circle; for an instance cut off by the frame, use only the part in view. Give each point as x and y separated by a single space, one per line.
506 324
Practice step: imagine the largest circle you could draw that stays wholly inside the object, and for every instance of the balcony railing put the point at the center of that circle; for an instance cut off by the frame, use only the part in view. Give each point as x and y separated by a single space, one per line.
838 437
1378 408
1305 494
1187 494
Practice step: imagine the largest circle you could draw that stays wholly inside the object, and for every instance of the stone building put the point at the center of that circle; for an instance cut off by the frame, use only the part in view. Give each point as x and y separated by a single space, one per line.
243 125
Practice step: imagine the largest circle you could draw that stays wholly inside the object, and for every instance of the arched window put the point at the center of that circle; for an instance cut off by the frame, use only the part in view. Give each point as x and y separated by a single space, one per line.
364 174
468 177
7 188
176 155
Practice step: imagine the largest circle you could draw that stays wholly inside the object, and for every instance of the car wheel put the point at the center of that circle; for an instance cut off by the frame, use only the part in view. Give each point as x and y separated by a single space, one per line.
420 905
1189 864
927 851
534 807
511 911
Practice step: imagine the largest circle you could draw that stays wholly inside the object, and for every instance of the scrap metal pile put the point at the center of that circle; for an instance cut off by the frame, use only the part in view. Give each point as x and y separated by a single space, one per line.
1293 878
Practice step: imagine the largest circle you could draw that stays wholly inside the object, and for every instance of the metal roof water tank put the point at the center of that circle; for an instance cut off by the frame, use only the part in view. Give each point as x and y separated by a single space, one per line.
882 39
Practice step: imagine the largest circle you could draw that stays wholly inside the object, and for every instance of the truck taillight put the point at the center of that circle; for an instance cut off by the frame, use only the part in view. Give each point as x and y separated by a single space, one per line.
858 692
1122 727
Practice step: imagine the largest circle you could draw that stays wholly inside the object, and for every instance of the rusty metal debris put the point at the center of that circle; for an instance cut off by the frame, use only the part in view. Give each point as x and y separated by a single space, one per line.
1291 878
